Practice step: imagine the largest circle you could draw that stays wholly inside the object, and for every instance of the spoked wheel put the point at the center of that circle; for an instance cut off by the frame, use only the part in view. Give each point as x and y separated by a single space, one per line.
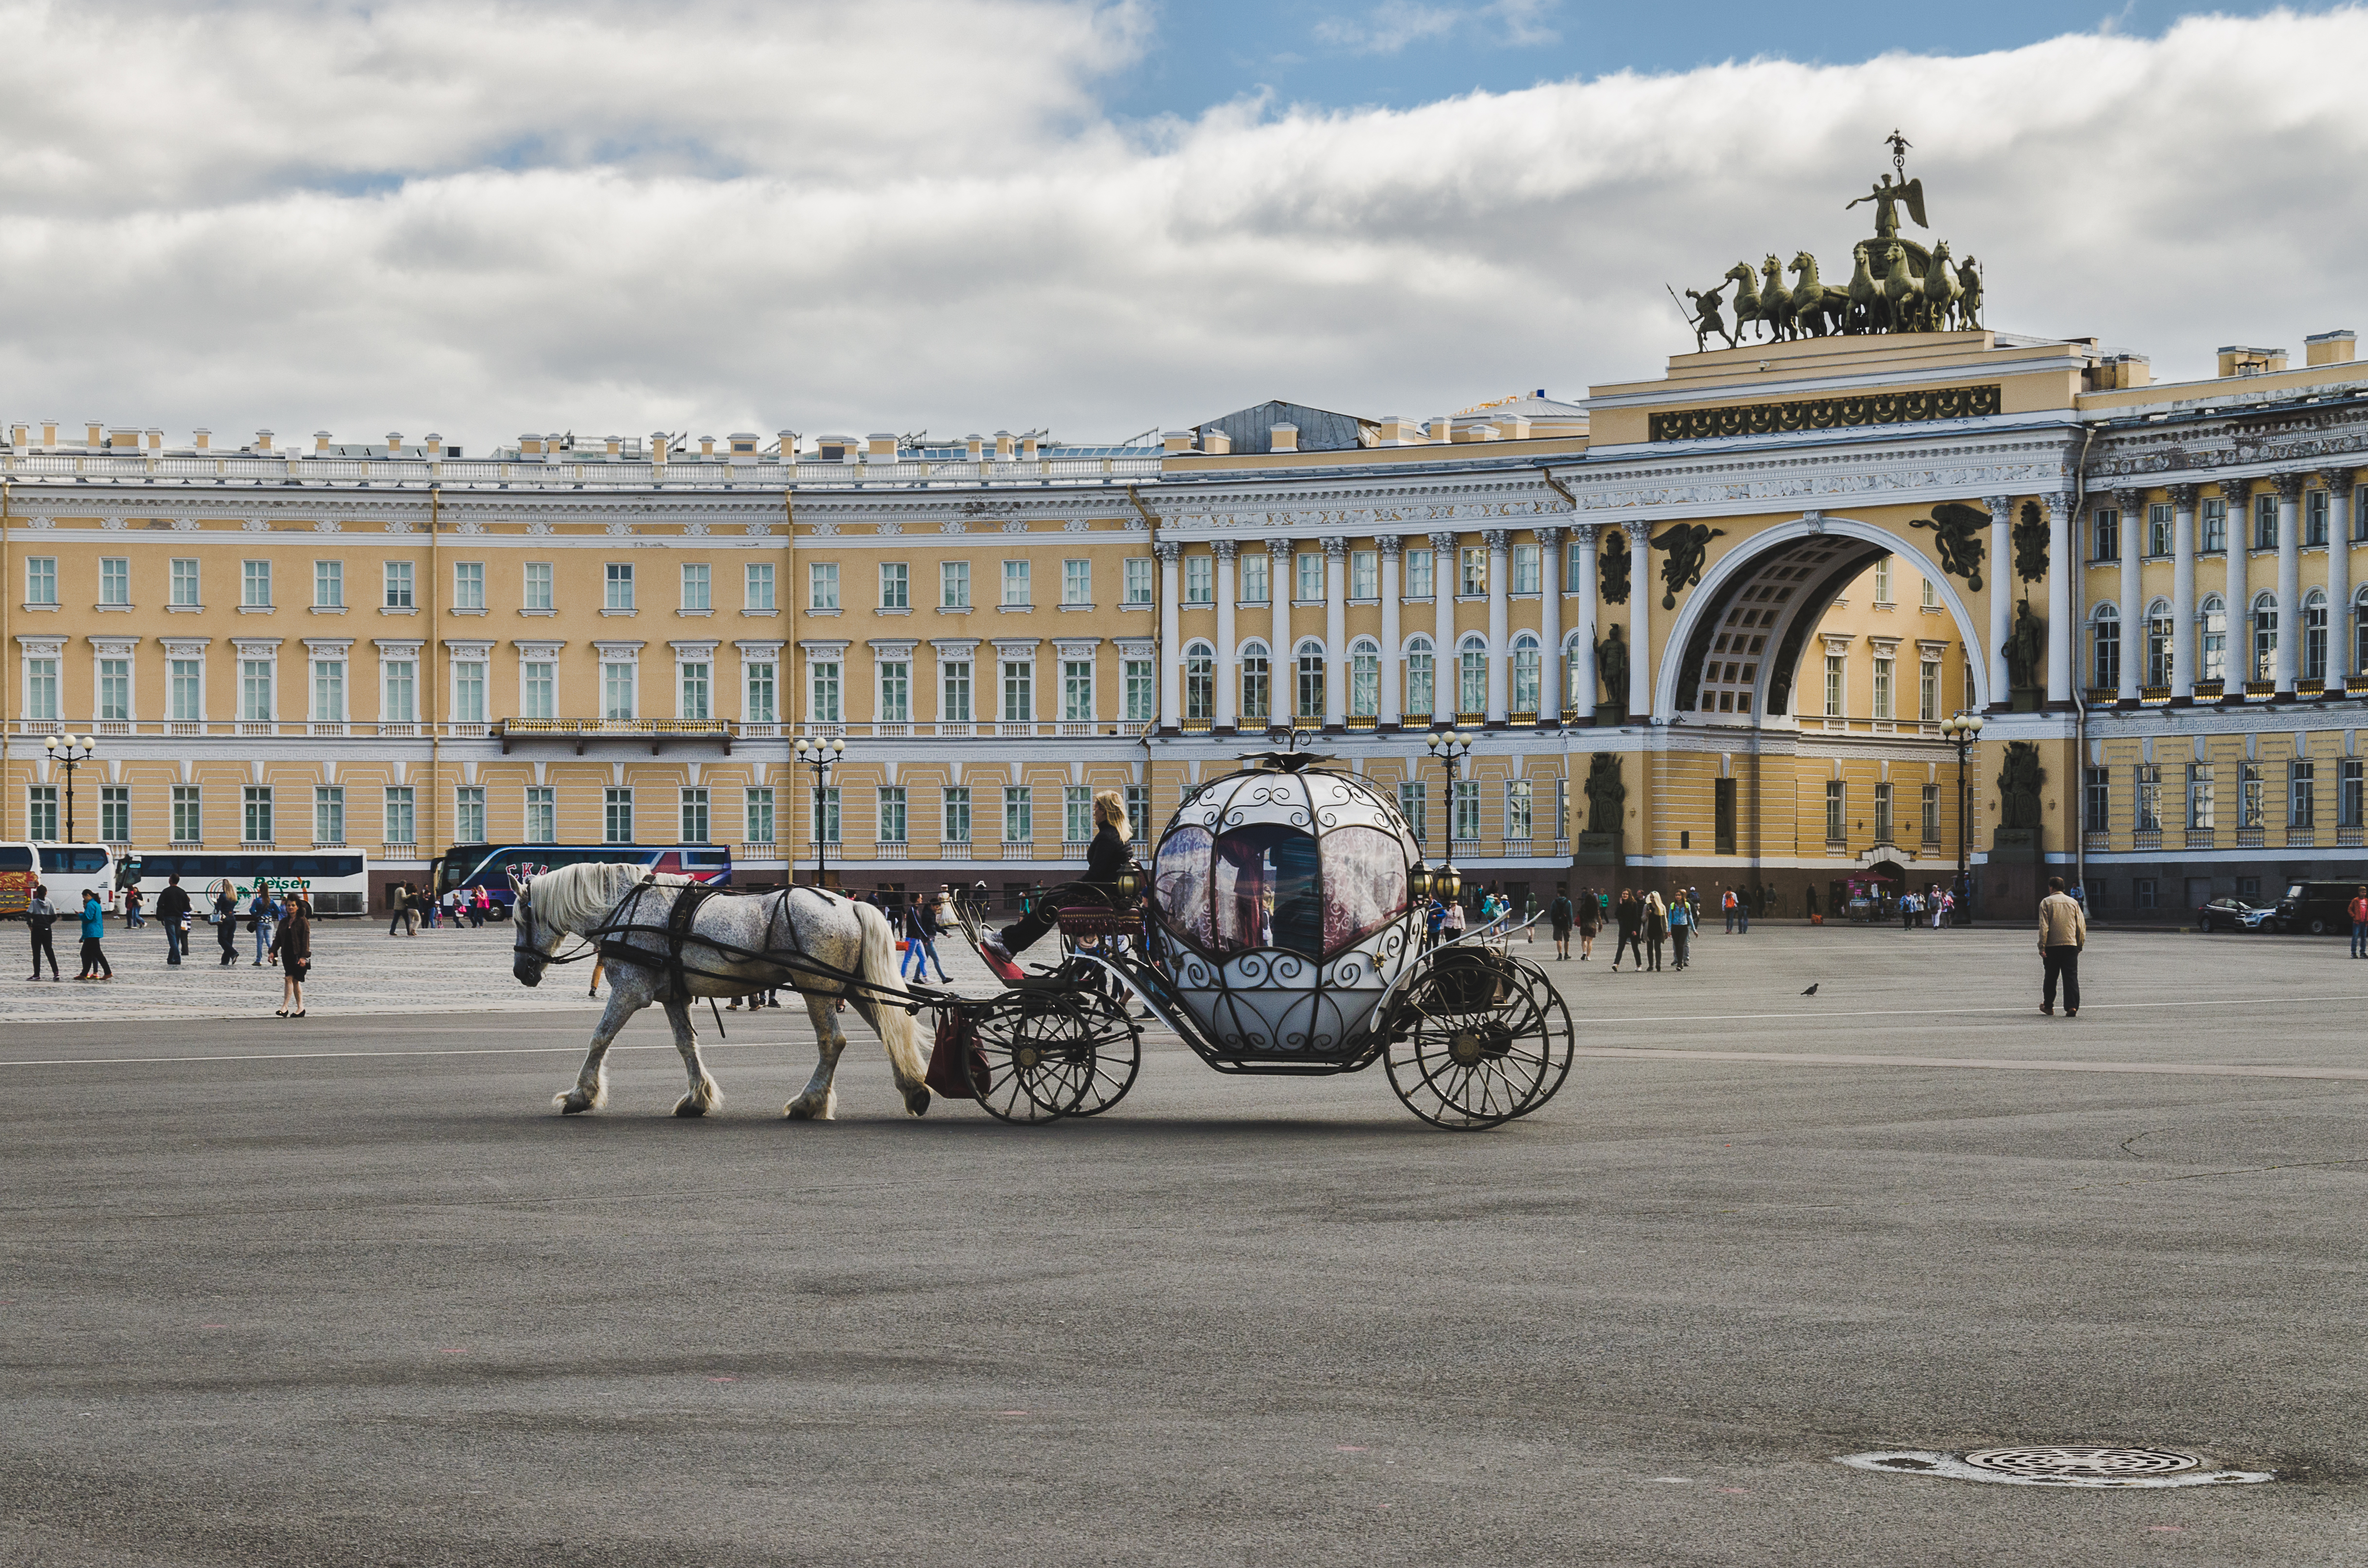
1484 1038
1043 1054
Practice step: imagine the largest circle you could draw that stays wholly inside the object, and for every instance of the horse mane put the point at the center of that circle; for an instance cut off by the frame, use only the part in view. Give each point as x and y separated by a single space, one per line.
577 898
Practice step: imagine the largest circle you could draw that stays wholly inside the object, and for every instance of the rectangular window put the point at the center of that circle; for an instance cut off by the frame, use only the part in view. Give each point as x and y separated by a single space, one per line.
1015 583
953 584
2143 888
822 585
328 813
41 812
1929 595
758 678
539 690
538 585
1139 589
115 580
824 707
892 815
1525 568
188 690
1928 691
895 584
184 581
2265 521
328 584
41 580
895 692
2201 806
617 586
2108 535
187 825
955 709
115 813
2147 799
1930 818
957 815
1018 692
1883 689
2352 803
1833 686
1518 800
398 584
1019 813
541 813
1142 691
1077 691
2213 525
698 585
1257 586
617 689
469 587
398 705
401 816
825 815
1418 574
1883 582
1421 685
694 816
1475 579
254 584
2158 529
694 681
2301 794
254 690
42 689
756 816
1834 820
1364 574
469 813
2096 798
115 690
756 586
1200 579
2251 806
617 816
1722 816
1077 583
1413 806
1076 812
1883 819
1465 821
328 691
468 696
1256 679
1311 577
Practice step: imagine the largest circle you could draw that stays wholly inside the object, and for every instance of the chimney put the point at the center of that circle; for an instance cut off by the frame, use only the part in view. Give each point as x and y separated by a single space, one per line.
125 439
49 432
879 447
1028 448
1174 442
203 440
435 445
789 445
2328 348
615 444
2235 359
707 445
155 441
1438 429
531 446
263 441
19 435
1397 430
657 446
1003 445
1215 442
97 439
1283 438
975 447
394 442
320 442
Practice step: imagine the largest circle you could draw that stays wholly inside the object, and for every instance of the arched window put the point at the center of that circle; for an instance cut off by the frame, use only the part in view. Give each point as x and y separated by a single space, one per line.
2211 633
2265 636
1200 682
2314 634
1472 677
1525 674
1311 681
1364 678
1571 694
1421 680
2359 627
1256 681
2158 643
2105 627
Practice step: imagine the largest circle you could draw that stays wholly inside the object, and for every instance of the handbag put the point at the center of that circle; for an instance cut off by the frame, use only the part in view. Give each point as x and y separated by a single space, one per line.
955 1062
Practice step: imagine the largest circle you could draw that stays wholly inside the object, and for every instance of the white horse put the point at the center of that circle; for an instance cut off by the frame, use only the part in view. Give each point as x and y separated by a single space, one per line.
836 934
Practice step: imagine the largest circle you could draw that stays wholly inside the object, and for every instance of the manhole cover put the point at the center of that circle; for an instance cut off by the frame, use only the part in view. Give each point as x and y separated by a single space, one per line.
2049 1464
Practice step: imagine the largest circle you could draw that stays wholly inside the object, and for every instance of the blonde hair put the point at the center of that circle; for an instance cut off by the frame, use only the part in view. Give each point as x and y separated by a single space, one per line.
1112 806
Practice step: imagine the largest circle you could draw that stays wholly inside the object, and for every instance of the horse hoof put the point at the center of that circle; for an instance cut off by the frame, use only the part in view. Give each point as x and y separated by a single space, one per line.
688 1107
571 1104
798 1110
918 1101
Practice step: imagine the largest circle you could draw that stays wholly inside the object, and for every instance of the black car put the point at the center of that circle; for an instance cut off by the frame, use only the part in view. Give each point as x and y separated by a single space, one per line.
2233 914
2317 907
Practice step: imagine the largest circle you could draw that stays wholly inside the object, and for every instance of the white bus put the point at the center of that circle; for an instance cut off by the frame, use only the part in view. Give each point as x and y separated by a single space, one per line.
66 868
335 881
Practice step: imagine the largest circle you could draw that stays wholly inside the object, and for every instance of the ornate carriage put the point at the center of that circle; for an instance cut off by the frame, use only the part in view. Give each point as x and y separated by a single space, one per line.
1281 932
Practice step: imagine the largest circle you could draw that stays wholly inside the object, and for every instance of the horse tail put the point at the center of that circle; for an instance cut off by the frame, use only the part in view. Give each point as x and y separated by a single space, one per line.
892 1023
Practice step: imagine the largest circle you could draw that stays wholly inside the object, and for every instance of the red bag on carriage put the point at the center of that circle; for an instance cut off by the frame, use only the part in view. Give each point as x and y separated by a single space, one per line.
956 1061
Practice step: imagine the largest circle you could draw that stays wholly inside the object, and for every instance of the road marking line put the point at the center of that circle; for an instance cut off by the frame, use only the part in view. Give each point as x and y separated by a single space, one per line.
1929 1013
341 1055
2006 1063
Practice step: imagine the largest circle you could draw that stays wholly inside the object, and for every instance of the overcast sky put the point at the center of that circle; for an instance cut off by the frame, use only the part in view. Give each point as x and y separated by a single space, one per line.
1098 218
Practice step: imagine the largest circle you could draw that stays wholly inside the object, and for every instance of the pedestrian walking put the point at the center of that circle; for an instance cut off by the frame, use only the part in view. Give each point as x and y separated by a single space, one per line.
1629 918
2063 932
173 913
40 916
395 903
1452 922
1907 912
1656 926
1590 921
1560 916
1681 925
921 945
1743 913
1726 907
131 920
226 925
293 947
93 938
260 914
2359 922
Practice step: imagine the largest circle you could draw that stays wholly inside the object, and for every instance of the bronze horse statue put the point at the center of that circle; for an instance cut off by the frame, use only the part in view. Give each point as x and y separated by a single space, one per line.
1816 307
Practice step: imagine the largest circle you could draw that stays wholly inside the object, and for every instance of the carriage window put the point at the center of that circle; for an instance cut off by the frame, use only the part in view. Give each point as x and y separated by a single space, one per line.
1264 890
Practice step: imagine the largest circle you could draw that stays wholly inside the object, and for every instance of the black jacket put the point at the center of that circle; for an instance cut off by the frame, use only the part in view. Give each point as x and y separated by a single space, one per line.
1106 855
173 902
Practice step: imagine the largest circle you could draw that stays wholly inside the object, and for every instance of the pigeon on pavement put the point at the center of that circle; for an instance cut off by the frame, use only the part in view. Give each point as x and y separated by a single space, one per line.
1811 990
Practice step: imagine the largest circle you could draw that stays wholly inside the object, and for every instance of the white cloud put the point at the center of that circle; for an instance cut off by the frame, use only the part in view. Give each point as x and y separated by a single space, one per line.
911 214
1388 28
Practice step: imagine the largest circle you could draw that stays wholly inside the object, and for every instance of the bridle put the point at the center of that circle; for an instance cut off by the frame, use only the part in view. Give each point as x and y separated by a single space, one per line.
525 945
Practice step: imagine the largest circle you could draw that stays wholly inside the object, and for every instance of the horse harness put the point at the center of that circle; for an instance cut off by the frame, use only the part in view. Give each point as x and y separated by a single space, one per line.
782 950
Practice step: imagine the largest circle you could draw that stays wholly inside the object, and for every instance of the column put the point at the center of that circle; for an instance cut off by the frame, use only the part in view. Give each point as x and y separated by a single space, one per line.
1335 632
1550 626
2001 578
1447 669
1500 640
1591 595
1282 666
2061 564
2338 574
1392 673
1229 675
1171 644
2132 503
2182 592
2289 660
1640 624
2237 495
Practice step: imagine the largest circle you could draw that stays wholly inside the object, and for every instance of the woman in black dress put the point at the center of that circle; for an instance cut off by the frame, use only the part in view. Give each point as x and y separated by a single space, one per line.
293 947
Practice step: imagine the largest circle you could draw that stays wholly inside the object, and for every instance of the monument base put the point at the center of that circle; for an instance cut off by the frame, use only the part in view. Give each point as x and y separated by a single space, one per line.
2015 878
1598 849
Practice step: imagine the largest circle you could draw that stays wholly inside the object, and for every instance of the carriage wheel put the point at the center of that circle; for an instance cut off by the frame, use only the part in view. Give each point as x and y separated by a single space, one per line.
1034 1057
1483 1038
1102 1068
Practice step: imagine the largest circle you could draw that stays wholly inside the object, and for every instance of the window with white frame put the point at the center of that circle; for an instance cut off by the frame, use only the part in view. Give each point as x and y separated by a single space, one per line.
1018 692
115 690
1200 683
1466 822
1364 574
822 585
1835 671
1420 679
254 584
1882 812
115 813
40 579
2314 636
1309 669
188 815
957 814
2107 534
1257 582
397 580
2146 798
2302 793
41 813
328 813
1076 812
954 680
1884 668
42 689
2252 805
1526 567
757 676
541 813
1310 567
2352 794
895 584
756 815
2212 524
537 689
1077 582
1472 675
619 678
1519 798
188 679
1019 813
692 680
2157 540
1256 681
1142 690
1138 807
617 586
1929 816
115 580
694 816
895 691
1016 590
1928 690
1139 579
953 584
1525 674
2265 638
1200 579
183 587
1365 678
469 691
255 703
467 584
402 815
756 586
2212 656
698 585
328 691
823 705
1836 819
398 681
1474 568
616 816
2158 643
538 585
328 584
892 825
1412 805
1929 595
2105 660
2202 803
1077 691
1419 573
469 813
2265 521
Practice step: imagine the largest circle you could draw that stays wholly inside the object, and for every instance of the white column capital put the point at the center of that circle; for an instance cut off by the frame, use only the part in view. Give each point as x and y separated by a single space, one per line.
1225 549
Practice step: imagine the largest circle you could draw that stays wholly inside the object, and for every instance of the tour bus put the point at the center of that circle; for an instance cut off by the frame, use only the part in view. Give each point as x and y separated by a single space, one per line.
66 868
335 881
497 866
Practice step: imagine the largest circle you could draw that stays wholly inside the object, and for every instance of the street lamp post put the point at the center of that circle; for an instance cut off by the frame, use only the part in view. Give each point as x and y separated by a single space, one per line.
1451 747
1961 731
70 752
819 754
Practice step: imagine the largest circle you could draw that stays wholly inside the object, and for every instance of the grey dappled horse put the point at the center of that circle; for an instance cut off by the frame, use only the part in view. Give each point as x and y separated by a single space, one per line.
837 934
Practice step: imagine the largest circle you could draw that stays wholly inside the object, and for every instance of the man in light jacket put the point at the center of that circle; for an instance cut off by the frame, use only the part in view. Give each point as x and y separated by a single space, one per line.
2063 932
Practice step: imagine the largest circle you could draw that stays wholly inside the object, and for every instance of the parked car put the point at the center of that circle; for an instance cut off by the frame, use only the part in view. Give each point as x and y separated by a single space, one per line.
2234 915
2316 907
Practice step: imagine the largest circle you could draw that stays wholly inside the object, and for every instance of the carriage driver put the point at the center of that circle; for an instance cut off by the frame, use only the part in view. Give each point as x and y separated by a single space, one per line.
1107 857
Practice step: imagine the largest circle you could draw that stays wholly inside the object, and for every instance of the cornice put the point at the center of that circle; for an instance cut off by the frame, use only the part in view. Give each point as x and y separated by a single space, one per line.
1689 485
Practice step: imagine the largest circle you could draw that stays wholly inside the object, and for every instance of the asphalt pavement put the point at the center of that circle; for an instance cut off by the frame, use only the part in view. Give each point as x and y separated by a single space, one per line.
347 1291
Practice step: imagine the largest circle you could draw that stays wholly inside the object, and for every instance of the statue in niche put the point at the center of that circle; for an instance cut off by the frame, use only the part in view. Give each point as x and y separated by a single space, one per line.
1607 797
2026 647
1612 568
2018 786
2030 543
1612 664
